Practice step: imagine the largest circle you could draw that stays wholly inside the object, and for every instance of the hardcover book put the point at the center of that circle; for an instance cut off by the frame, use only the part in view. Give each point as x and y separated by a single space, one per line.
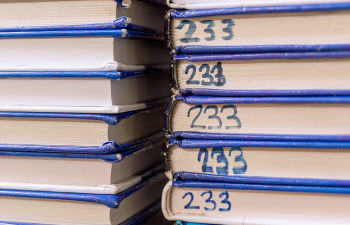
48 207
262 28
85 88
225 202
78 172
31 15
258 159
262 74
323 118
104 129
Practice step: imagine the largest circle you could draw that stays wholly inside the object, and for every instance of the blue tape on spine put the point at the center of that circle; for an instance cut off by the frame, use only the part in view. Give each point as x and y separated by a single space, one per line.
112 201
261 93
254 100
196 49
120 23
271 55
186 176
112 75
111 157
202 143
239 186
260 9
116 33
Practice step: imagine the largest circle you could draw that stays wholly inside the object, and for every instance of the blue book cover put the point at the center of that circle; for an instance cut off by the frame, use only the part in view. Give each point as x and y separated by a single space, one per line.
226 39
221 74
201 104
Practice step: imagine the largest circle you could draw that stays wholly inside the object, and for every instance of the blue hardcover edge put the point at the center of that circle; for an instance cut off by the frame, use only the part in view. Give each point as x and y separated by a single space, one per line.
143 216
186 176
111 201
110 119
259 9
203 143
109 147
260 187
119 23
112 75
178 222
68 153
116 33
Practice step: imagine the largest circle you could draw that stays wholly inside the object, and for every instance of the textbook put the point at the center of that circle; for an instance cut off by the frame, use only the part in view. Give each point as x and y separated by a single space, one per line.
32 14
225 202
262 74
71 208
323 118
84 88
262 28
207 4
256 159
78 172
105 129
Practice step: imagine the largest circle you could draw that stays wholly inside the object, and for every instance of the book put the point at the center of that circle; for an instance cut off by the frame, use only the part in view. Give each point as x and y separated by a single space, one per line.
240 203
104 129
257 29
79 50
84 88
32 14
258 159
48 207
67 172
262 74
207 4
259 118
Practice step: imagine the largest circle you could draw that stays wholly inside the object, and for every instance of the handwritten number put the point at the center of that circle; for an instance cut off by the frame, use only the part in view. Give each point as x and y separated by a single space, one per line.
214 116
191 29
200 107
206 75
228 29
209 200
205 167
190 80
209 29
188 206
221 158
225 201
221 77
239 158
234 117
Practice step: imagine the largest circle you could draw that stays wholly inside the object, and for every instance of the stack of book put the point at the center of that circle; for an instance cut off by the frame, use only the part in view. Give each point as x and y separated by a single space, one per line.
259 126
83 89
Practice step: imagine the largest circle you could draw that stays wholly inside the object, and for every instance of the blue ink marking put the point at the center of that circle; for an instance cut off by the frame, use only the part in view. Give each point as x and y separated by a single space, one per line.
200 107
206 75
225 201
190 80
234 117
209 29
188 35
209 200
205 167
239 158
214 116
221 158
228 29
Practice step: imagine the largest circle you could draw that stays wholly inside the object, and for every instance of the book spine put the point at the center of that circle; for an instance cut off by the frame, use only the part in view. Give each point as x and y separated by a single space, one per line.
167 32
168 114
166 159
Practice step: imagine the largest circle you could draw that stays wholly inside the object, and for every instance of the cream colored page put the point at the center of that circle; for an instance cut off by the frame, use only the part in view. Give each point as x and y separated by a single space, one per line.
274 74
307 207
265 29
298 119
267 162
63 12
